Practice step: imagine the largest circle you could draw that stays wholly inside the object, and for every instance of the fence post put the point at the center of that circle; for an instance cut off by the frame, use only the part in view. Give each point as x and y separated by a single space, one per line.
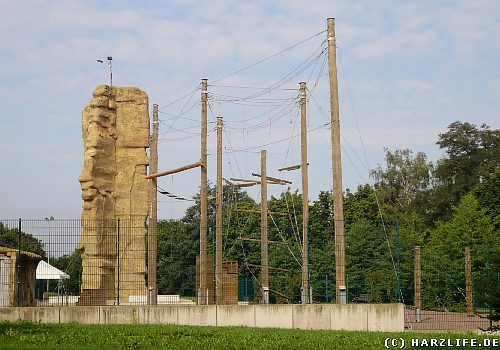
246 289
416 282
398 262
118 258
18 260
308 265
347 288
326 288
468 282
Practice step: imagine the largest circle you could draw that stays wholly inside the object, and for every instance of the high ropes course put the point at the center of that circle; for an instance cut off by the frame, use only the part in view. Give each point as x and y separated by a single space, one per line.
251 116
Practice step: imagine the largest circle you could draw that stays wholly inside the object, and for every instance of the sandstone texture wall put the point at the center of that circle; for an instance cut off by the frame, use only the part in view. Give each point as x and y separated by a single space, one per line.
115 130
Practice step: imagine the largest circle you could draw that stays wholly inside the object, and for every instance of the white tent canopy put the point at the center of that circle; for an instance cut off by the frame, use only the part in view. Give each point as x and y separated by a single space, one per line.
45 271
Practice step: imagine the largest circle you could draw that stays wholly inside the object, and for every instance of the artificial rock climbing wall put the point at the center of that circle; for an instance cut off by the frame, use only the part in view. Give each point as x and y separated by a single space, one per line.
115 130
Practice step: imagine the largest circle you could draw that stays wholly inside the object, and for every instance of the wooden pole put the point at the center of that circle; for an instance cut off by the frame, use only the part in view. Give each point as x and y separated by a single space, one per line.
468 282
219 292
416 284
338 210
203 292
174 171
305 196
264 258
153 198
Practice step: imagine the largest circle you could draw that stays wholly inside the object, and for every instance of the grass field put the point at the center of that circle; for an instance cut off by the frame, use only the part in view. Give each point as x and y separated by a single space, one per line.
25 335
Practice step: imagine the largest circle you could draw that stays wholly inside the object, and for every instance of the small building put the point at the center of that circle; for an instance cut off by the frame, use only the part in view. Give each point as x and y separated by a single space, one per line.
17 277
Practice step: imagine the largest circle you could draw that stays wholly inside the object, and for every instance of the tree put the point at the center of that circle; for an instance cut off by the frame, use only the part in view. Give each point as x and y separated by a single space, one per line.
25 241
320 220
399 182
72 265
471 226
368 262
177 248
472 153
488 197
361 204
486 277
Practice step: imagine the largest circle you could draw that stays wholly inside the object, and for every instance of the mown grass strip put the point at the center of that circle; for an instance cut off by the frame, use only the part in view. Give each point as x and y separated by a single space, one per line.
26 335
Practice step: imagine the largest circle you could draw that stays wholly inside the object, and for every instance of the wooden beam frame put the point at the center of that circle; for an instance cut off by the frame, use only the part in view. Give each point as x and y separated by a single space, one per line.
273 179
174 171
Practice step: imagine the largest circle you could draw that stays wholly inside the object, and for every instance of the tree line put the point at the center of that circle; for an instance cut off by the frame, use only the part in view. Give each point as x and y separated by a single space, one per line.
442 207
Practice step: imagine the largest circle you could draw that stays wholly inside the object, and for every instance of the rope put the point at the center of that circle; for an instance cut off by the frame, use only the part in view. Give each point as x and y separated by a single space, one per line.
267 58
283 239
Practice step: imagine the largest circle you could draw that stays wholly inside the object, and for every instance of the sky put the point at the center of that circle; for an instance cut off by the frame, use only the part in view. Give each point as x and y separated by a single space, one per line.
407 69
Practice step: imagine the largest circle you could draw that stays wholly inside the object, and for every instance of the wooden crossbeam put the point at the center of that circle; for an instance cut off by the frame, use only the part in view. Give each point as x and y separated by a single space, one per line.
258 212
277 213
244 185
276 183
249 184
289 168
273 179
244 180
174 171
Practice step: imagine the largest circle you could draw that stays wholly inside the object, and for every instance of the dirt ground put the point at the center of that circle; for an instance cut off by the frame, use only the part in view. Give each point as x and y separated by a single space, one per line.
442 320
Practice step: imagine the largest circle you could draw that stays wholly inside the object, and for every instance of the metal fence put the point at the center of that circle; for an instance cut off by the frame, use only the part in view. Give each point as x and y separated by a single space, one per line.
82 262
104 262
453 287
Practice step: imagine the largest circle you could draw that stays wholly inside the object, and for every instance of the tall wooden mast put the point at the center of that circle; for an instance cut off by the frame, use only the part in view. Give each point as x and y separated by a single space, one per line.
305 197
153 198
203 292
219 291
338 210
264 258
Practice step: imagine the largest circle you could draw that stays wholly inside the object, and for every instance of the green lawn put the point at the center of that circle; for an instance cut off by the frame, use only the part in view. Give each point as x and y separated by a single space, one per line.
25 335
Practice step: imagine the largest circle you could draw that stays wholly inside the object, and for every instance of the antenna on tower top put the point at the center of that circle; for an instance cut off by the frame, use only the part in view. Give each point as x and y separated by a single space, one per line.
110 65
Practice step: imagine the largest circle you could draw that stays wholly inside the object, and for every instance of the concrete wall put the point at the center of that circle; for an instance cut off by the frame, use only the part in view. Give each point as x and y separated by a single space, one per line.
361 317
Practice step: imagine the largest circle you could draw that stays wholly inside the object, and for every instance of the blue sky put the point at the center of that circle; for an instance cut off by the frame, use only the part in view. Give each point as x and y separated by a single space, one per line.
406 70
